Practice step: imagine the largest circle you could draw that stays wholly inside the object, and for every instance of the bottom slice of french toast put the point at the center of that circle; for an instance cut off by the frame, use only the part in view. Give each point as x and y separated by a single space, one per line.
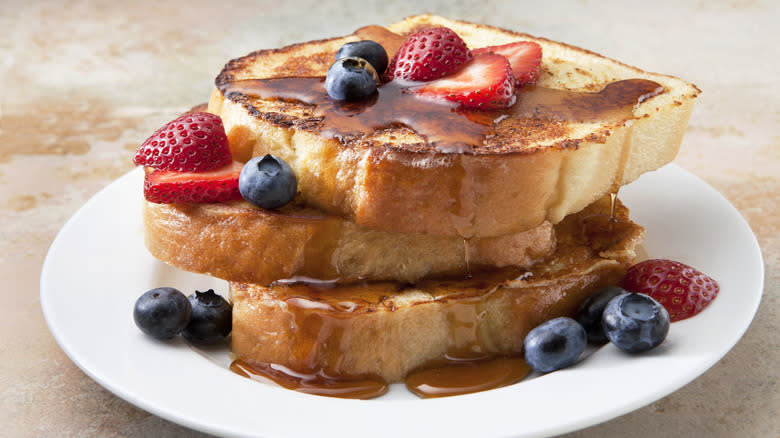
389 329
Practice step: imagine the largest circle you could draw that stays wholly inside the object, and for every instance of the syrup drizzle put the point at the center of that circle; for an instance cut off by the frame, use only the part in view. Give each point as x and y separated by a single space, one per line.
457 377
322 329
317 383
446 128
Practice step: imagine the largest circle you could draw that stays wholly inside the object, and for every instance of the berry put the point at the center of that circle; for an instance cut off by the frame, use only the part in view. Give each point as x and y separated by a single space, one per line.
369 50
682 290
635 322
525 57
211 318
427 55
162 312
267 182
351 79
554 344
169 187
589 313
194 142
485 82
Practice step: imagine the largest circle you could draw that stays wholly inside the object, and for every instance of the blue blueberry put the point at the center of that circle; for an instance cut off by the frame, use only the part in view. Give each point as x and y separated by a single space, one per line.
211 318
554 344
267 182
369 50
589 313
162 312
351 79
635 322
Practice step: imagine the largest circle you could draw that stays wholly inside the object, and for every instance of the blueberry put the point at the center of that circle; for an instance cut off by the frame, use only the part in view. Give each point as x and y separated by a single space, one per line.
554 344
589 314
369 50
635 322
267 182
211 318
162 312
351 78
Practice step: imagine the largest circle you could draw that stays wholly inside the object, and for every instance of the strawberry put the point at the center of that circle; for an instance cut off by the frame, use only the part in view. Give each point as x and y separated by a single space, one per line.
485 82
170 187
525 57
428 54
194 142
682 290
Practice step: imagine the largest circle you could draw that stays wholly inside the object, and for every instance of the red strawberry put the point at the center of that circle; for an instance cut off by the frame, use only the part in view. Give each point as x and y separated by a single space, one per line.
428 54
194 142
485 82
682 290
525 57
170 187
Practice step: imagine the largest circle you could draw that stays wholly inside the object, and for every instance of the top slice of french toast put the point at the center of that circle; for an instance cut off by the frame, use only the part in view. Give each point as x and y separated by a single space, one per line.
588 126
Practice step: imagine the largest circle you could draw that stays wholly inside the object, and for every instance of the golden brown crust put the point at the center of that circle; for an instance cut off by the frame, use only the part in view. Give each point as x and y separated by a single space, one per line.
394 180
238 242
388 329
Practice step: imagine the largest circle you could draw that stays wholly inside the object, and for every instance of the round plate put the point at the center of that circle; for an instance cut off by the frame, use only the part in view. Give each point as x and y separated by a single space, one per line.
98 266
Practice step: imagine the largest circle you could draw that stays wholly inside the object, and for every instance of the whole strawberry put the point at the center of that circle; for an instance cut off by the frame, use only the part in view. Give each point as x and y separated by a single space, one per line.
194 142
428 54
681 289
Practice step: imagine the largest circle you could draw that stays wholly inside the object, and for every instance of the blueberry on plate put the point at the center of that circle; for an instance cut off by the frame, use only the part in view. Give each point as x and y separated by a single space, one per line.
554 344
162 312
267 182
635 322
589 313
351 79
211 318
369 50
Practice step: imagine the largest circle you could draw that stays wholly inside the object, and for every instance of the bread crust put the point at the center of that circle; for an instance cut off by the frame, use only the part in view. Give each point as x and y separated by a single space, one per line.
395 181
389 329
239 242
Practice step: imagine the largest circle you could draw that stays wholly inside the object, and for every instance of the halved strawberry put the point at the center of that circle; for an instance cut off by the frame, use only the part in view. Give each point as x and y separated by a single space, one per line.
681 289
194 142
525 57
171 187
485 82
428 54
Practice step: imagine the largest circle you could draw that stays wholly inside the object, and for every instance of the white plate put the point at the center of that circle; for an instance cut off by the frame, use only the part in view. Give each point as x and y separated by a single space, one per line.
98 266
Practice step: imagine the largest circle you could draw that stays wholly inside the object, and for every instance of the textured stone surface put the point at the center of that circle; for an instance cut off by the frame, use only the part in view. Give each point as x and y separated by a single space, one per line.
83 83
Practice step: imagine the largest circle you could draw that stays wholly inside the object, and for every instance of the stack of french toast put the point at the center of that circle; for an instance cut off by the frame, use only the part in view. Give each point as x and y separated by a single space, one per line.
408 243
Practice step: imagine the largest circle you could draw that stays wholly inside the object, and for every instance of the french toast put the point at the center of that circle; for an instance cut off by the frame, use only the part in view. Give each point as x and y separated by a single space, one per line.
242 243
517 173
400 199
389 329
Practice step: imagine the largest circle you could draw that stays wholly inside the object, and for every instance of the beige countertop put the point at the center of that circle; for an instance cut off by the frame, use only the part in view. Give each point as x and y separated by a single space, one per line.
83 83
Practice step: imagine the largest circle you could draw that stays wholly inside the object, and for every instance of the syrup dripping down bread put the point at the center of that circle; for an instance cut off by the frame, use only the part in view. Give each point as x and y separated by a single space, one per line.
524 173
389 329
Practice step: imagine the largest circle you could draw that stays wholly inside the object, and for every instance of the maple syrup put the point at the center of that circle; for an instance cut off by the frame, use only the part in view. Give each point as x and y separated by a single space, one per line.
465 376
446 128
317 383
321 317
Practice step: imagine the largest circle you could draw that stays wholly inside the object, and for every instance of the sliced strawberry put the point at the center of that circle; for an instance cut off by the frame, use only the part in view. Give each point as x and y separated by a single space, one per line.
525 57
428 54
681 289
194 142
485 82
171 187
